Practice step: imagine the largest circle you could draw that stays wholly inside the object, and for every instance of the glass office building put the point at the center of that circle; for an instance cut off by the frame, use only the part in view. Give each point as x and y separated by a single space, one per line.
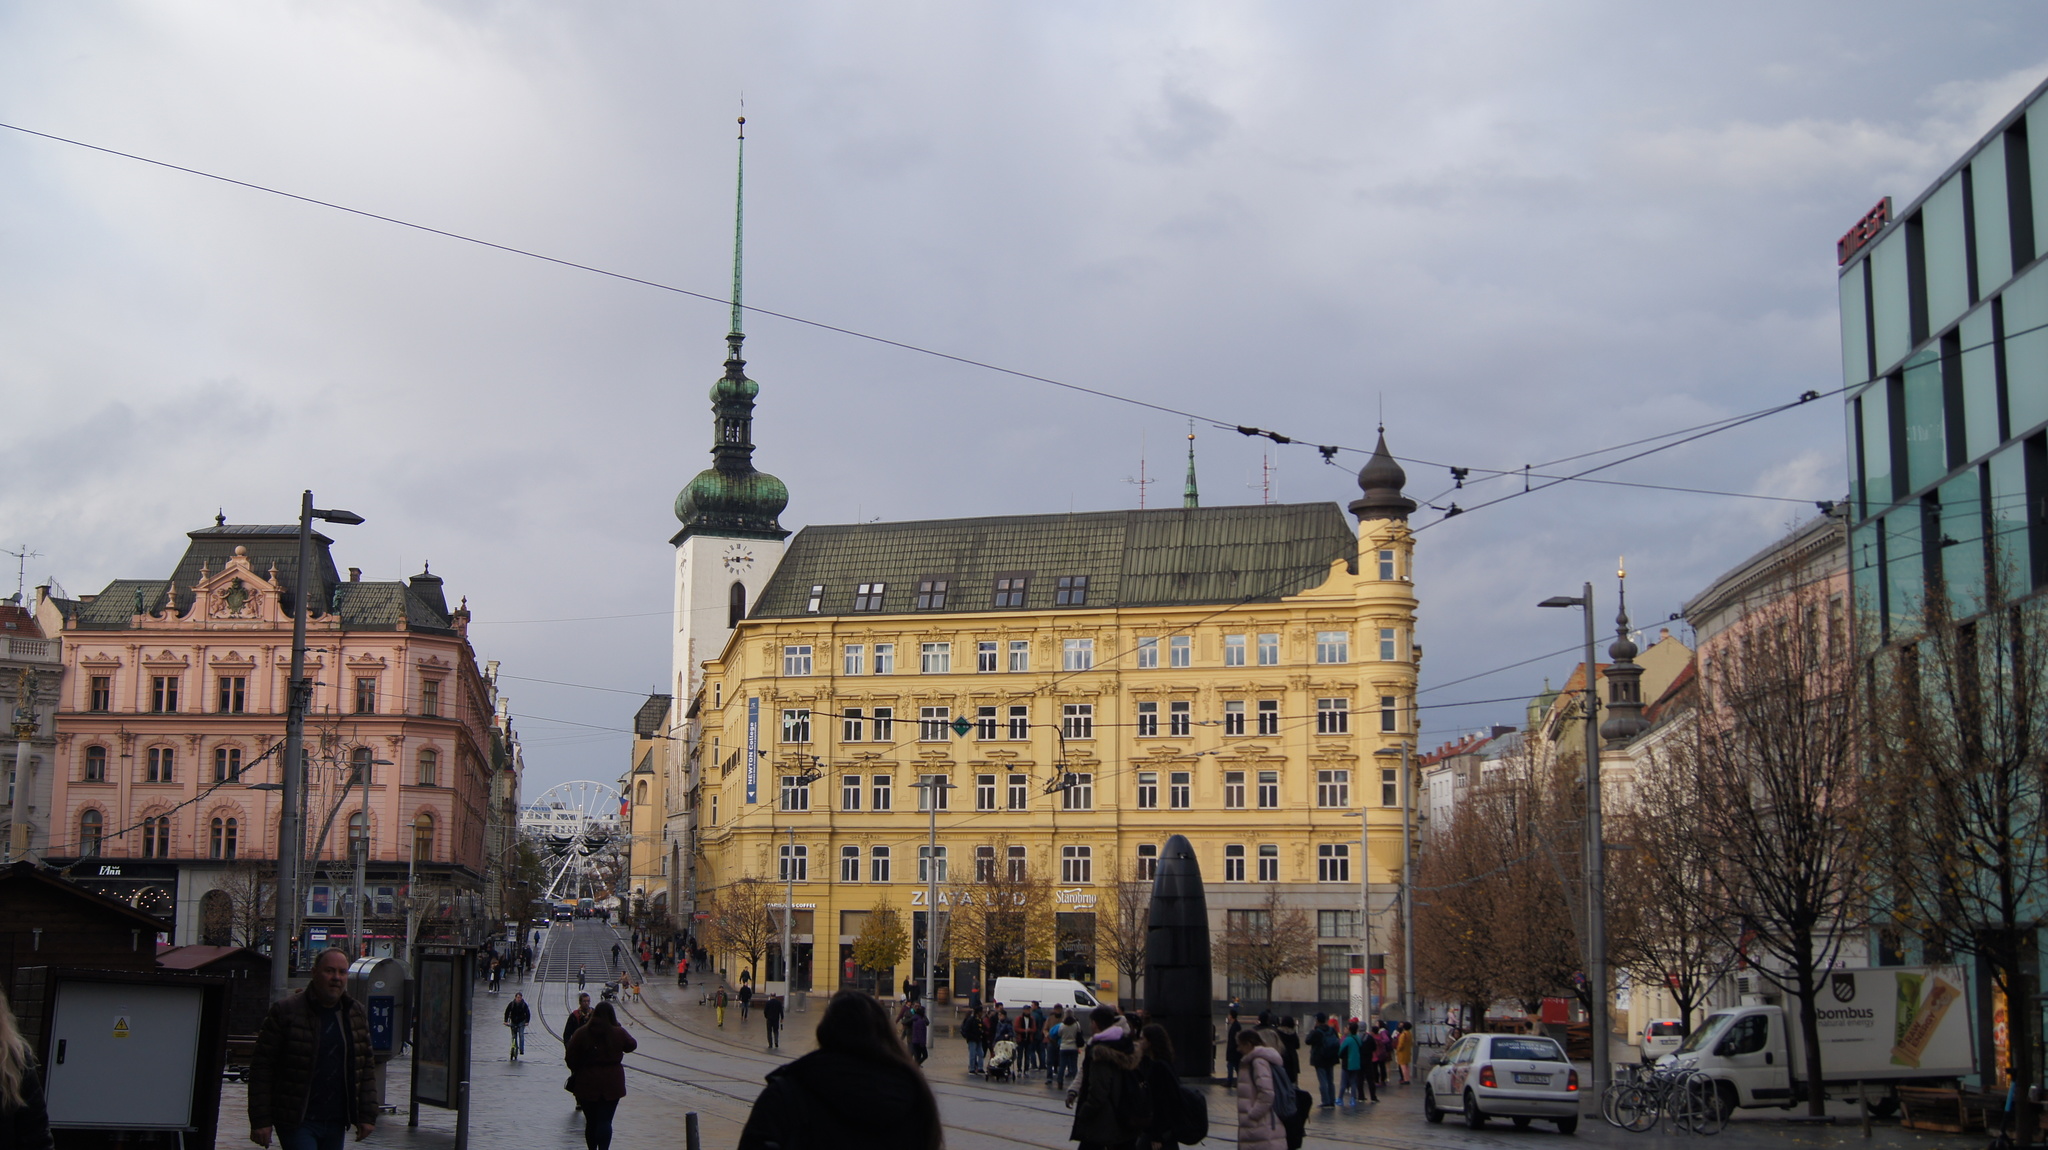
1945 356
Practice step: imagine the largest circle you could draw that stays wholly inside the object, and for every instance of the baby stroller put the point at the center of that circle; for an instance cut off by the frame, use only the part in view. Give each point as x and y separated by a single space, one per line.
1002 1063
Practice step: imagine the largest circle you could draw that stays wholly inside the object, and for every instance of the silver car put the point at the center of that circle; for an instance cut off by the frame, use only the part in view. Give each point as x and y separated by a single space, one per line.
1514 1076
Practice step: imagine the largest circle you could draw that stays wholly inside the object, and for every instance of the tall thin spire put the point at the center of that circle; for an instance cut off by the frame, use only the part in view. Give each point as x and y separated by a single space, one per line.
1189 496
739 227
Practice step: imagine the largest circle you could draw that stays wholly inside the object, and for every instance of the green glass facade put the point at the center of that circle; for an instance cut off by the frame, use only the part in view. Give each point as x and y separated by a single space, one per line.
1945 357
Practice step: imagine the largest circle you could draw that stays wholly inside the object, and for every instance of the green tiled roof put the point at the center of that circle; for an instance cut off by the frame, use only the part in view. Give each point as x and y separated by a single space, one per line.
1190 555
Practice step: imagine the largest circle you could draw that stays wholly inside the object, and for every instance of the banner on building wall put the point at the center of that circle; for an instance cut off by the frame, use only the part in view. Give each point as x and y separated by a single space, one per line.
753 749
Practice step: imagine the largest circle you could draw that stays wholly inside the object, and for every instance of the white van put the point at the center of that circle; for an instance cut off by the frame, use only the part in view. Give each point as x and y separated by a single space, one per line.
1014 993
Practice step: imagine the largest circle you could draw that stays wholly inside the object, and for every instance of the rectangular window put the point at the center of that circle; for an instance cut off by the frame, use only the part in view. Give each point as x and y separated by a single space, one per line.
102 696
925 859
1080 654
935 658
1390 787
1079 793
1180 719
1077 864
1233 650
1019 792
1390 714
1337 924
1333 646
849 793
1269 716
1072 591
1269 649
878 864
1333 788
852 725
163 762
1148 720
1148 790
1077 720
934 724
793 863
1017 864
854 659
934 794
817 599
931 594
1020 721
1233 717
1148 862
1269 789
227 764
1148 653
1387 574
1180 651
1233 790
163 694
366 696
1333 716
796 793
984 792
868 596
796 660
1020 655
885 724
1333 862
95 767
984 722
1179 790
885 658
849 864
1010 590
881 793
985 656
1386 644
430 698
796 725
234 694
984 864
1269 863
1233 863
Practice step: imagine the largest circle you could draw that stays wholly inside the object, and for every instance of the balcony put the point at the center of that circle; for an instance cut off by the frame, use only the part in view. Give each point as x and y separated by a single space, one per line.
21 648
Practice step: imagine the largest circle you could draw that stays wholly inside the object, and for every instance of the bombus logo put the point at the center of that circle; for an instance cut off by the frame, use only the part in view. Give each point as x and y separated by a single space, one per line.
1844 986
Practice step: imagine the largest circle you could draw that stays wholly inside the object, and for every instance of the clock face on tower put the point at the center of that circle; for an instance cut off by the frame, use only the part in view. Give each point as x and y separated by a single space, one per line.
738 558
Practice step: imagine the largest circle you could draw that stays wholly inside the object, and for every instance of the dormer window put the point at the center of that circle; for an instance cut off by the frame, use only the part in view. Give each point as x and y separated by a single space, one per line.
868 597
1010 589
1072 591
817 598
931 594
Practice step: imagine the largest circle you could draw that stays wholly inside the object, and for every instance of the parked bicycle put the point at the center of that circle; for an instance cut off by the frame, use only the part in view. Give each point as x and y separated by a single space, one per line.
1688 1098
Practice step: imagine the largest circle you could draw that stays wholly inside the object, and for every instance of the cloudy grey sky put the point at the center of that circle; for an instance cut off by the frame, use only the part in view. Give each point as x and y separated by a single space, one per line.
1529 230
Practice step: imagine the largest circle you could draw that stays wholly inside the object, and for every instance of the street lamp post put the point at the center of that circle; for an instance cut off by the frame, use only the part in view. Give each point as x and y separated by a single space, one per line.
361 850
1407 886
934 788
299 696
1596 853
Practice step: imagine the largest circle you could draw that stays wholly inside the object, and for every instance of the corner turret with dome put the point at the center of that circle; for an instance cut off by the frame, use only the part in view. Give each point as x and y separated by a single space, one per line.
1624 680
1381 479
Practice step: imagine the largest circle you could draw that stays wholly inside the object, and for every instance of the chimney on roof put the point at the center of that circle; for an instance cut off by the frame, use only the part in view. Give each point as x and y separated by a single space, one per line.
355 574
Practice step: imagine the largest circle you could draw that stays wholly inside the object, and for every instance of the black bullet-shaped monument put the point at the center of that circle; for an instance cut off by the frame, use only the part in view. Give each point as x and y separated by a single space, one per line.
1177 979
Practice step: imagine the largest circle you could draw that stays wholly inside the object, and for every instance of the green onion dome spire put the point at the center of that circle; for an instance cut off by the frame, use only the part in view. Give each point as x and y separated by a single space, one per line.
730 498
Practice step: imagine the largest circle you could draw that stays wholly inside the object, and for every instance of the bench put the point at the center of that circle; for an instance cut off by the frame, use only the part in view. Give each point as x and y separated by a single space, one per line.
1942 1109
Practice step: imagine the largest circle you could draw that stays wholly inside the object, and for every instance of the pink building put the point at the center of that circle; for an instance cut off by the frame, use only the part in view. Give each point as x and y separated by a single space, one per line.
170 742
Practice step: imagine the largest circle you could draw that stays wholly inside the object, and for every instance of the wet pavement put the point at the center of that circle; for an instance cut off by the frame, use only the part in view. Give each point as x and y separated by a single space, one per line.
686 1063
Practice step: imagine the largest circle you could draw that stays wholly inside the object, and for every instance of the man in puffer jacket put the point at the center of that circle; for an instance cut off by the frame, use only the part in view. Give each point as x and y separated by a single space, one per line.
312 1077
1110 1108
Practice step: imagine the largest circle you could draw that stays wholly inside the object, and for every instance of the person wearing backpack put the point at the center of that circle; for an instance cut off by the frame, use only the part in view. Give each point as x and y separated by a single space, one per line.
1351 1055
1171 1112
1322 1058
1259 1082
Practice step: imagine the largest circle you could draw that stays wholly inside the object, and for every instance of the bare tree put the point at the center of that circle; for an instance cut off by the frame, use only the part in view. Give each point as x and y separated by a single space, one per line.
1002 914
1123 918
1960 748
740 921
882 942
251 892
1776 757
1267 943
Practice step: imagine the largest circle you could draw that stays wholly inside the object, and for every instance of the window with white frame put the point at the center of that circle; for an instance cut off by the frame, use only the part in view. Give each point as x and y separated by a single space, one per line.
1020 655
1269 862
1333 788
984 864
1148 720
853 659
1019 797
796 725
885 724
934 658
1233 717
849 864
1077 720
1269 716
1020 721
1180 719
1148 653
796 660
885 658
796 793
1233 790
852 725
880 790
984 722
1148 790
985 656
1388 635
1386 563
1269 649
1180 651
793 863
934 724
984 792
1233 650
817 599
1390 787
849 793
878 864
1390 713
1333 716
1233 863
1077 864
925 857
1017 863
868 596
1148 862
1269 789
934 793
1180 790
1333 862
1079 794
1333 646
1079 655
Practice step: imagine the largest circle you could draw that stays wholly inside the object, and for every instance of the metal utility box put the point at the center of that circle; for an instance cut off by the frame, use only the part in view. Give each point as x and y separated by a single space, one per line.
128 1053
378 986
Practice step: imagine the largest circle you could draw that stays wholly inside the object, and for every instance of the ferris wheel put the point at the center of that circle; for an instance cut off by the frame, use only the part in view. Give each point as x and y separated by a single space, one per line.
573 826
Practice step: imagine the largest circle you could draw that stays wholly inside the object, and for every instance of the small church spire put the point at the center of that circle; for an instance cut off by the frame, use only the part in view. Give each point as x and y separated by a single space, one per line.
739 232
1624 677
1190 496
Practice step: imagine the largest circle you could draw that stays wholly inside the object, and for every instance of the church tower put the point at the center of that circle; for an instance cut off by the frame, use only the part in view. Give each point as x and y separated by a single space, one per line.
731 541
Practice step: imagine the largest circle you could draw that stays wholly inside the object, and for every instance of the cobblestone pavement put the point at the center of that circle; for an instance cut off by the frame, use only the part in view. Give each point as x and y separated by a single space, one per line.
686 1063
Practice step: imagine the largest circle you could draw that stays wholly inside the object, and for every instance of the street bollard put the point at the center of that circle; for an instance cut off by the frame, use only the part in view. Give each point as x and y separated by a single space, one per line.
690 1139
462 1115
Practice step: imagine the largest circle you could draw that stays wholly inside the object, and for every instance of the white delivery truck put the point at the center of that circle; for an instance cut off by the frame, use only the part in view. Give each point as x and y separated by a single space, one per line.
1890 1026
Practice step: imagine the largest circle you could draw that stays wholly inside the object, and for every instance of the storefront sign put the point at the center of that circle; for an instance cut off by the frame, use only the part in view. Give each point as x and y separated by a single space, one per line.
1866 229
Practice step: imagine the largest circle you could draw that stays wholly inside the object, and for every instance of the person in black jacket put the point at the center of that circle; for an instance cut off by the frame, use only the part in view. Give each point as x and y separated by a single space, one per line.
24 1120
1162 1087
312 1076
517 1015
859 1090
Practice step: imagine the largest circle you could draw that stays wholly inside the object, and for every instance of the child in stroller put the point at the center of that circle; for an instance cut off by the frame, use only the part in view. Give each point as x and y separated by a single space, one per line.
1002 1062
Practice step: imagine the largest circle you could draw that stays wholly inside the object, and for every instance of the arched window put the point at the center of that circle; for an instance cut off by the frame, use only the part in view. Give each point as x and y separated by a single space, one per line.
736 605
641 797
430 767
216 918
423 837
356 826
359 761
221 841
227 764
90 827
156 837
95 764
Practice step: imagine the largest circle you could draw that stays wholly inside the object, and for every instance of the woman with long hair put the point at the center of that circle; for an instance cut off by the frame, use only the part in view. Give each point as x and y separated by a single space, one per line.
597 1072
24 1121
1162 1087
859 1090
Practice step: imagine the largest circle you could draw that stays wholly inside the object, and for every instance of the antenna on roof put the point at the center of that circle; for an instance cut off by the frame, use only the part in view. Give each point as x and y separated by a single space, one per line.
21 570
1264 483
1141 481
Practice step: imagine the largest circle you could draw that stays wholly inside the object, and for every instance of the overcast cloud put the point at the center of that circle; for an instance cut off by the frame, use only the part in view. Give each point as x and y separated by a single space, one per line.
1529 229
